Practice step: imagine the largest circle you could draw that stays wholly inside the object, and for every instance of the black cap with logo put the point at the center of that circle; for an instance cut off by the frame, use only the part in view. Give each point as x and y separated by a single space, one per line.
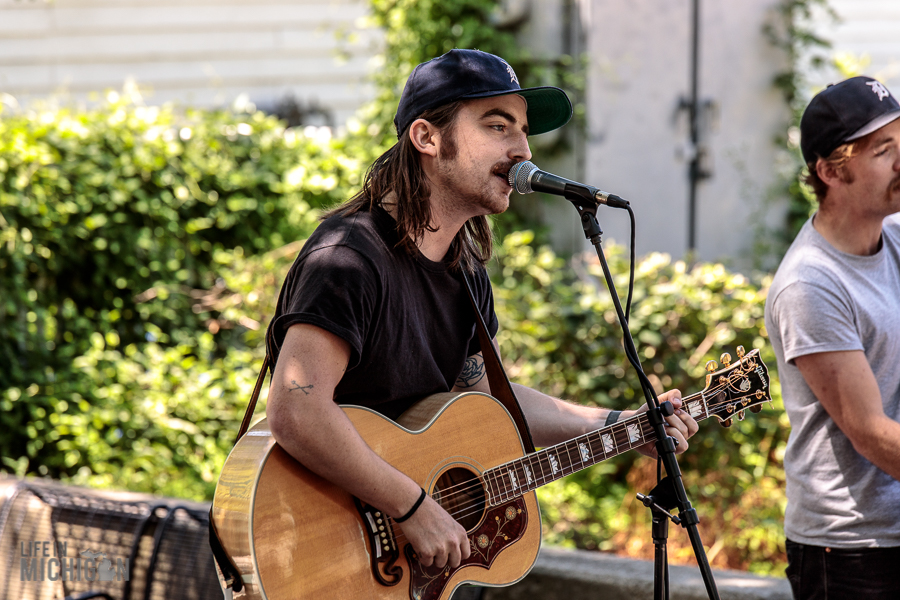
844 112
465 74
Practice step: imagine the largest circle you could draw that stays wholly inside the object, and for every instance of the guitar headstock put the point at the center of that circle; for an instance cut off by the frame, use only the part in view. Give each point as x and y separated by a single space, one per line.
737 387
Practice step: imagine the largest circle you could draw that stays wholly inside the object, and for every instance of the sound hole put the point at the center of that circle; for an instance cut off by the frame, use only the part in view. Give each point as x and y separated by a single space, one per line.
460 493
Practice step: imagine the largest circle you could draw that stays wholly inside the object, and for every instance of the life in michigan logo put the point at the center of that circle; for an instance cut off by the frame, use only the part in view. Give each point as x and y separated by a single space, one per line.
49 561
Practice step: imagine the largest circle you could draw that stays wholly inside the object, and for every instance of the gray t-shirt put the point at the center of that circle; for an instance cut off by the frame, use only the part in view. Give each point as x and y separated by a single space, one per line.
823 300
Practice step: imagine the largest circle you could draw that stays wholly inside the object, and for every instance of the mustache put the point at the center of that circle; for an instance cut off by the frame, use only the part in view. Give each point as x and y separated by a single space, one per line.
502 168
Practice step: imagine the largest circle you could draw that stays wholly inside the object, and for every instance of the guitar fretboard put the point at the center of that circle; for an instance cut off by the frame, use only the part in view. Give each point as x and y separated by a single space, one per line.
520 476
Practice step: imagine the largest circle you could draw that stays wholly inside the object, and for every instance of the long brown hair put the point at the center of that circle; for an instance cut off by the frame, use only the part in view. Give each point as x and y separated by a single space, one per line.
399 170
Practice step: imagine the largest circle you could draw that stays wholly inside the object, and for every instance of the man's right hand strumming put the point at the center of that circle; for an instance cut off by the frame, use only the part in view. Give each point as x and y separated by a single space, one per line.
436 536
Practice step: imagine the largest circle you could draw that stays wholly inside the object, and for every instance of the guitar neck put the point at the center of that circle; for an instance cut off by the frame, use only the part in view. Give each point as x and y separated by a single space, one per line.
520 476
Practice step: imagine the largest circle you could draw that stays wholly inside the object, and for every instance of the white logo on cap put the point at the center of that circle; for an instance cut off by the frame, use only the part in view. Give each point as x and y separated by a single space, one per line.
512 74
879 89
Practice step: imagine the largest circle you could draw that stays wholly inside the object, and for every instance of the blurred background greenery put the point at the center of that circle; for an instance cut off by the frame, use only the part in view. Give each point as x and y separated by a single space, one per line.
141 253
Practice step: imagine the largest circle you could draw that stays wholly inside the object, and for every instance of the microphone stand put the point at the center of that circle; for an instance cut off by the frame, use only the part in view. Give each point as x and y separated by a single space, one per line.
664 494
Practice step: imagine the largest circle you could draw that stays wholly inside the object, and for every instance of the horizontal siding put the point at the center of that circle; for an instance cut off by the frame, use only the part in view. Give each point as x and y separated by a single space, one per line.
123 47
866 28
872 10
98 76
199 52
61 18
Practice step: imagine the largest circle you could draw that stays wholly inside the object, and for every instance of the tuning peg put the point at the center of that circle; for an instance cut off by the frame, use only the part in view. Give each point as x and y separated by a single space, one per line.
740 352
727 422
711 366
725 359
756 408
741 416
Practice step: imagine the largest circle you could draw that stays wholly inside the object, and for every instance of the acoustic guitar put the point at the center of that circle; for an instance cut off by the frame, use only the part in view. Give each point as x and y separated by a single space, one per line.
293 535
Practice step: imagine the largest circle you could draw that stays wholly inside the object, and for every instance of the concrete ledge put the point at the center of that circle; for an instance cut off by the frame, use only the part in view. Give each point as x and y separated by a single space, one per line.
562 574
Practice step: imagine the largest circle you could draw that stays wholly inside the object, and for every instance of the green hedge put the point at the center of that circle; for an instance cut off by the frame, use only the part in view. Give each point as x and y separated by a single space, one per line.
115 224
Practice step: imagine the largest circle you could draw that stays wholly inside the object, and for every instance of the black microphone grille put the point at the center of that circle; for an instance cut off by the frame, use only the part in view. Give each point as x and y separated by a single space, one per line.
520 176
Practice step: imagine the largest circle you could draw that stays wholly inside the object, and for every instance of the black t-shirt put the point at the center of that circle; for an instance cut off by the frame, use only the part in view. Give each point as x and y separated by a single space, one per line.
408 320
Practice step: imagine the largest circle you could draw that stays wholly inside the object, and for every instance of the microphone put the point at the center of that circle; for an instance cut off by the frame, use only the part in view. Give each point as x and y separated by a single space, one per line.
525 177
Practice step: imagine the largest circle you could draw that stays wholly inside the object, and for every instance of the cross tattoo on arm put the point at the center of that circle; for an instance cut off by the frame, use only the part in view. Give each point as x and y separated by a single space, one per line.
302 388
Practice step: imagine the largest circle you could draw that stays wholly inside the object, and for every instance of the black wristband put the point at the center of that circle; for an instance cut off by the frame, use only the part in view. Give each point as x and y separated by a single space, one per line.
612 417
414 508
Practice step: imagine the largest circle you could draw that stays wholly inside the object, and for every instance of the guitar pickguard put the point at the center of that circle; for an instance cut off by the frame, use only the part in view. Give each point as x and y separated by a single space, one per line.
501 527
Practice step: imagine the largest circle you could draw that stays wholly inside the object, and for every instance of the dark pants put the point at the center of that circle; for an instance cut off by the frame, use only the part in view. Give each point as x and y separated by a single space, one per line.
818 573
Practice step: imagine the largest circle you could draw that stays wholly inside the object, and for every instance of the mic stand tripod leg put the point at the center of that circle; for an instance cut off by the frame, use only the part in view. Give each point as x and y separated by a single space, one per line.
660 502
661 558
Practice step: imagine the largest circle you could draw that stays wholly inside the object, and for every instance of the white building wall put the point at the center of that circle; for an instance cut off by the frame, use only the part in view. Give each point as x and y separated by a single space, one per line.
197 52
639 71
866 30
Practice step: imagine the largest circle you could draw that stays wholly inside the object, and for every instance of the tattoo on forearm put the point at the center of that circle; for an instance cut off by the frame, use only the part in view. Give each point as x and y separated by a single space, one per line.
303 388
472 373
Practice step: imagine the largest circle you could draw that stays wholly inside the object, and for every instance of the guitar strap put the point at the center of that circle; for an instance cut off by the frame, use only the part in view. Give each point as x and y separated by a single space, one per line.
251 408
499 382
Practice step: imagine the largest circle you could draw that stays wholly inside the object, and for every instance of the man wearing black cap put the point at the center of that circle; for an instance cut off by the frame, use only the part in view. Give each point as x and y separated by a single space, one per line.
833 316
374 311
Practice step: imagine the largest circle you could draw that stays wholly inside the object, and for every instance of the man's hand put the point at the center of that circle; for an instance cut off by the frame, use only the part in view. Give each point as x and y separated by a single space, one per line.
680 426
436 537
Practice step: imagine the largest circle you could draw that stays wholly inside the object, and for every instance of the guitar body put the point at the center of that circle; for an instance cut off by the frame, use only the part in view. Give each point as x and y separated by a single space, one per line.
292 534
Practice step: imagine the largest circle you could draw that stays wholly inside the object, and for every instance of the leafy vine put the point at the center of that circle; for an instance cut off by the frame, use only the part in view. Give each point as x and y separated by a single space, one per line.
793 31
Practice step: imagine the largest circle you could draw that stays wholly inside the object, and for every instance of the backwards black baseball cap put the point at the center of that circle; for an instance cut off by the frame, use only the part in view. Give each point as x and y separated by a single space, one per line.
466 74
844 112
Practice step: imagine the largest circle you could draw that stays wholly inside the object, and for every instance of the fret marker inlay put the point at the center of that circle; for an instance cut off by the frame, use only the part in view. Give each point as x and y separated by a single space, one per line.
512 479
554 466
585 453
609 444
634 432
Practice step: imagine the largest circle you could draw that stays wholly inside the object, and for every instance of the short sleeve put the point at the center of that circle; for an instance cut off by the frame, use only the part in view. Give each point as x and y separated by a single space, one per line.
335 288
812 318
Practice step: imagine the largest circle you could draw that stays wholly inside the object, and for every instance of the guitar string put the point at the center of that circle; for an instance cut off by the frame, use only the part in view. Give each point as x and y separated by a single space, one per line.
481 506
716 388
480 484
474 508
541 456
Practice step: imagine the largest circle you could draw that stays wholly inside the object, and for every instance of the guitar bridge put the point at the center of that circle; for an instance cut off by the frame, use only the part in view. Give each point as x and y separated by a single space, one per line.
383 547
